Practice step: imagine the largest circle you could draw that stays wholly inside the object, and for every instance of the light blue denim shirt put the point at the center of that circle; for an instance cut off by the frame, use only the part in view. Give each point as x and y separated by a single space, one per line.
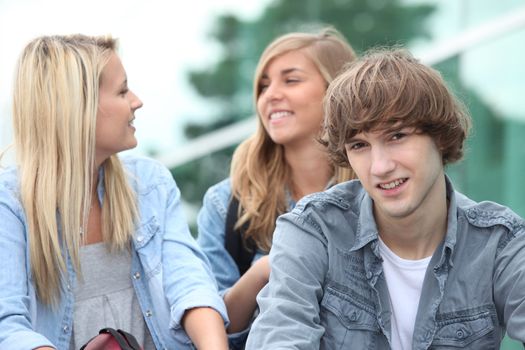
327 289
170 274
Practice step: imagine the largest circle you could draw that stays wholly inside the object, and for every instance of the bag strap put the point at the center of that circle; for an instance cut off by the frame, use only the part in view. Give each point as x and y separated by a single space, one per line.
241 250
130 339
125 340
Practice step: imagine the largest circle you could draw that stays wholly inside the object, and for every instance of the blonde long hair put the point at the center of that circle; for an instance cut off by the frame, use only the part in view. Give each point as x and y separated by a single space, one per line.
54 115
259 171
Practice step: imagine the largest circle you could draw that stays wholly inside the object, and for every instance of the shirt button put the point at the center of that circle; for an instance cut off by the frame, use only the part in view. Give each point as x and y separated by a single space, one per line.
149 313
68 287
65 329
136 275
140 239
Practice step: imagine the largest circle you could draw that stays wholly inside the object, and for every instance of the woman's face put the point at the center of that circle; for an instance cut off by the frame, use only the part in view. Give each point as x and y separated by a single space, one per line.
291 98
116 111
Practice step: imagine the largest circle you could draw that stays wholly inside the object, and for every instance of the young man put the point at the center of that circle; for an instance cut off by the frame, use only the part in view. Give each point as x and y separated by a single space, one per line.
397 259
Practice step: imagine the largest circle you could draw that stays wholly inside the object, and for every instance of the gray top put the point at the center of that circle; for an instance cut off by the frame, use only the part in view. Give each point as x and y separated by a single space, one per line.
106 298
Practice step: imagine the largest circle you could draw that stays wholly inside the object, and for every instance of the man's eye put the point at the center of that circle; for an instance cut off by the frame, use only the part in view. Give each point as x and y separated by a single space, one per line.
398 135
355 146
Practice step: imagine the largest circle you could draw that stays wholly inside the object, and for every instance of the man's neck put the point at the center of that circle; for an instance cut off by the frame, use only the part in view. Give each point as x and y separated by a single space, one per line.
418 235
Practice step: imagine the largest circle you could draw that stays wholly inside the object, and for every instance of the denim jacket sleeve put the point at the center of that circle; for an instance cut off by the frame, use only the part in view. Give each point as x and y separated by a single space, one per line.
291 299
16 331
509 284
211 223
187 279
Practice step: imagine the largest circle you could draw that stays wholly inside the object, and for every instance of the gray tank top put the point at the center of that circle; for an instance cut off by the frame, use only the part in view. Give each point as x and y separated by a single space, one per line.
106 298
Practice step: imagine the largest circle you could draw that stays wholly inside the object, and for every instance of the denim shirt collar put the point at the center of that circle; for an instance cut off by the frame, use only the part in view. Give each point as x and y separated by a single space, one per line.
367 229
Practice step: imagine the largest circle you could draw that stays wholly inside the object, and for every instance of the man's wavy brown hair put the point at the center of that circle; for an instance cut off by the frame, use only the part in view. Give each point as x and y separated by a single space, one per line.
390 89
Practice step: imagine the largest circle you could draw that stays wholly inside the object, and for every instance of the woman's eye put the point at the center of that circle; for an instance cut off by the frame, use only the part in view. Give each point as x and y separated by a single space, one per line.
292 80
124 92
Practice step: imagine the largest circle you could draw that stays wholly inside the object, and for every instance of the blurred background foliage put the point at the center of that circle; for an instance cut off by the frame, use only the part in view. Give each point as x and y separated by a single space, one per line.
228 82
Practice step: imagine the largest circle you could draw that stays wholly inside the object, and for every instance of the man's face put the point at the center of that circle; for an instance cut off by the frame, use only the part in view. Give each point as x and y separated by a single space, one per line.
401 170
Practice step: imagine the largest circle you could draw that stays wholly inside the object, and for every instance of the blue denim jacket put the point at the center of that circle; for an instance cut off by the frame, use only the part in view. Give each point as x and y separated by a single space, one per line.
211 225
327 289
170 274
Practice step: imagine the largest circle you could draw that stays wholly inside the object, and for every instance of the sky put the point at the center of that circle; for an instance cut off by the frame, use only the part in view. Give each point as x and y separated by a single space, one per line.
160 41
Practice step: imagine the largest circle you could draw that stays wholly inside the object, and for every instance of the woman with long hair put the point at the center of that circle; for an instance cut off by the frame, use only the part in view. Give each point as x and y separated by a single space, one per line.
280 163
89 239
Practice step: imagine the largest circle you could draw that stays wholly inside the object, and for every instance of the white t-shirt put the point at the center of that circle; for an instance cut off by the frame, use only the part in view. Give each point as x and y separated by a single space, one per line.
405 280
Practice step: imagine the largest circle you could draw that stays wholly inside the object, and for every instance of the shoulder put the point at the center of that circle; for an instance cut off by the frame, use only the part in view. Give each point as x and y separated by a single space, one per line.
488 214
218 196
143 166
9 183
9 178
332 215
343 197
10 189
146 173
490 220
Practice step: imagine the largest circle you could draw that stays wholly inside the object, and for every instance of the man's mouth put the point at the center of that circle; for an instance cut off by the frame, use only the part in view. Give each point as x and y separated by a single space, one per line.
393 184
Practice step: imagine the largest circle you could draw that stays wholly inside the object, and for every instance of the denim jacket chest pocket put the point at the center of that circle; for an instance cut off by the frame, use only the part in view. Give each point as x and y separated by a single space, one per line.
147 241
467 329
348 311
347 322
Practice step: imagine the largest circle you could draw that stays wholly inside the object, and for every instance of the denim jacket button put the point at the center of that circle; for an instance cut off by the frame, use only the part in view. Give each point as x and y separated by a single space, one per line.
140 239
353 317
472 214
149 313
65 329
460 334
136 275
368 275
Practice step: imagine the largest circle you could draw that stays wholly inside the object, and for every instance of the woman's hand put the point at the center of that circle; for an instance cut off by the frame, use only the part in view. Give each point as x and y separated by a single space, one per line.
240 299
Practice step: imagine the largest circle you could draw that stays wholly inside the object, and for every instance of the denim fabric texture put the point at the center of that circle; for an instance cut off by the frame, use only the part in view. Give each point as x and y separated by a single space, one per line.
327 289
170 273
211 225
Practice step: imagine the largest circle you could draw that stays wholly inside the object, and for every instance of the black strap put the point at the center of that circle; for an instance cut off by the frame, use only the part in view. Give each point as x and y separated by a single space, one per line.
241 250
125 340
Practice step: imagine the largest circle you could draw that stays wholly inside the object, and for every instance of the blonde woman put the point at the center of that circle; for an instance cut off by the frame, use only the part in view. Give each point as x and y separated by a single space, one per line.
85 235
274 168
